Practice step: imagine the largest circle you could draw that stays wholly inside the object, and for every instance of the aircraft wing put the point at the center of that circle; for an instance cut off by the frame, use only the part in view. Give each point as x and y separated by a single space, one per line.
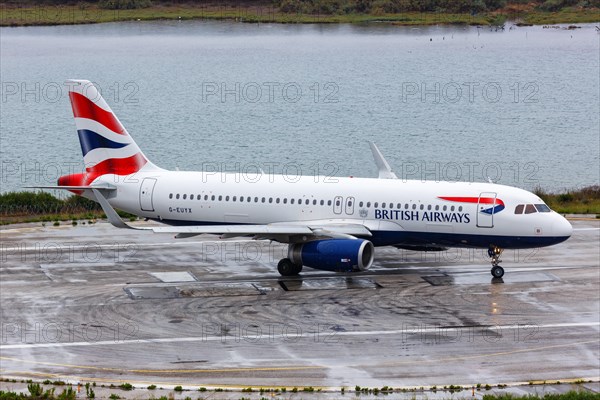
283 232
290 232
235 229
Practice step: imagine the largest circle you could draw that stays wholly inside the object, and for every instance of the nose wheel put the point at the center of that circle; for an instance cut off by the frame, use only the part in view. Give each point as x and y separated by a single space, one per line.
495 252
497 271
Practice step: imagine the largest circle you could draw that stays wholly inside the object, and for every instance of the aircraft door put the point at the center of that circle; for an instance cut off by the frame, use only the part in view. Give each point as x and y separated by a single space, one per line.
146 191
486 207
337 204
349 205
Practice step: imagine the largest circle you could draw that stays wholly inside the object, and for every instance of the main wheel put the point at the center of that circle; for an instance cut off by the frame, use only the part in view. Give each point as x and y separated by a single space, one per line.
497 272
297 269
287 268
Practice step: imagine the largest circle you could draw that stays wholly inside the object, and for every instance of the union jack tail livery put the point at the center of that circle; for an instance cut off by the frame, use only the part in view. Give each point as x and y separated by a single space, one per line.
106 145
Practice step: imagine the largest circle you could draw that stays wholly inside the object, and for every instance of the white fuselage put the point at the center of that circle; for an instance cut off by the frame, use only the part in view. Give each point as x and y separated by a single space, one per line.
396 211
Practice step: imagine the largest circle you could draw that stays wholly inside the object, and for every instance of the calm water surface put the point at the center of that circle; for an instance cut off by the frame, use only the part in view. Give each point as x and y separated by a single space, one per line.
520 106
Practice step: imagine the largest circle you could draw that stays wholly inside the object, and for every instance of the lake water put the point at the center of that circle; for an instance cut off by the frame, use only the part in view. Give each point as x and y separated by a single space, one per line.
520 106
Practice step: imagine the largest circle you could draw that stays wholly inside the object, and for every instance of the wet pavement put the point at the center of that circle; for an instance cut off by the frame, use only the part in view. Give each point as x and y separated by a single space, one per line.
94 303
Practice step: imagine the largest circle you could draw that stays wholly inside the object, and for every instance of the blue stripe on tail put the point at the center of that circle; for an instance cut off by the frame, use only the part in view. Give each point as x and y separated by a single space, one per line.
90 140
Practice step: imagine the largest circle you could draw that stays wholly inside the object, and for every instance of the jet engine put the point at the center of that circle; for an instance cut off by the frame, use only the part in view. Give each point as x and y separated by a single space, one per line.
340 255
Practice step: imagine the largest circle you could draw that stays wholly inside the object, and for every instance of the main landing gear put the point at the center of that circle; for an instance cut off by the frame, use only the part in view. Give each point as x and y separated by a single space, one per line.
494 252
287 268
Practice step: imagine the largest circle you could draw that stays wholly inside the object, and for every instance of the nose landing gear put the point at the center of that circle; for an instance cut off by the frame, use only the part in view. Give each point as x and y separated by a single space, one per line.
495 252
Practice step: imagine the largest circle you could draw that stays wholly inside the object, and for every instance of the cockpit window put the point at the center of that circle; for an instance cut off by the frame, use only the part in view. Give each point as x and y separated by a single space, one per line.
542 208
519 209
530 209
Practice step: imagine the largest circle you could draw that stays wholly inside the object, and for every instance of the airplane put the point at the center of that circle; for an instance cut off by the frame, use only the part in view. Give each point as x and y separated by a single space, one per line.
328 224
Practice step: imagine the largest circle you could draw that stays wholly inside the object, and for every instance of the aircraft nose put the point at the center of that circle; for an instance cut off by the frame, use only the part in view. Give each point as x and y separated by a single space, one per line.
561 227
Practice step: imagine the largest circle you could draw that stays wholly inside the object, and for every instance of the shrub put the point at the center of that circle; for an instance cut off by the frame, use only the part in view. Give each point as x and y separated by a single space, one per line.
124 4
126 386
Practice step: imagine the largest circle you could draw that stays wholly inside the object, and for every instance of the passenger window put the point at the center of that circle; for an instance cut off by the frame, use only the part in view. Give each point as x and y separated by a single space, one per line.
170 195
452 208
177 196
263 199
421 207
234 198
376 204
241 199
542 208
285 200
459 208
530 209
292 201
399 206
191 197
248 199
213 197
406 206
414 207
256 199
368 204
226 198
220 198
314 202
437 208
445 208
277 200
519 209
322 202
337 203
429 207
270 199
328 202
382 205
307 201
184 196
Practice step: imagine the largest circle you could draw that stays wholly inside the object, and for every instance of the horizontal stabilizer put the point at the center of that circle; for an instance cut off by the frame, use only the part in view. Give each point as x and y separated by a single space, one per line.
101 186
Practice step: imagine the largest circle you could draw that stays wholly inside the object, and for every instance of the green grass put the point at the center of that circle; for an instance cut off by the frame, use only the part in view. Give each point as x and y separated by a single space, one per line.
581 201
565 16
572 395
335 12
20 207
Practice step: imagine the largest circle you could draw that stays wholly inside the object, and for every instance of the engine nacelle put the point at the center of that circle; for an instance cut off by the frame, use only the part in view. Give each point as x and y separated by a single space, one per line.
341 255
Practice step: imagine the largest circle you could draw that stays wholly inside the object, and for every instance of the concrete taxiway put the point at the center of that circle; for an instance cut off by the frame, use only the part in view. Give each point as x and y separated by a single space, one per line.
94 303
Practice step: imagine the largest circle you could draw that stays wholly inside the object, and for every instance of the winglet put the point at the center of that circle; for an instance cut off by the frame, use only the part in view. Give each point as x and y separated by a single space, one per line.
110 212
385 171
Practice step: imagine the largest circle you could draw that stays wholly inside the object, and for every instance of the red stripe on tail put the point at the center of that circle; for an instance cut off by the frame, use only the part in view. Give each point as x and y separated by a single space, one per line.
85 108
116 166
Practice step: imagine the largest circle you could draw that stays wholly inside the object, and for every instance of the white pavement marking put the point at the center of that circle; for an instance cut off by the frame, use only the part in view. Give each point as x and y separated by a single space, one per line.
204 338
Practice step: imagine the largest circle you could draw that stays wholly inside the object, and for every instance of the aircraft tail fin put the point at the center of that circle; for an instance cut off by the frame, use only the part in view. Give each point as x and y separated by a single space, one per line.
106 145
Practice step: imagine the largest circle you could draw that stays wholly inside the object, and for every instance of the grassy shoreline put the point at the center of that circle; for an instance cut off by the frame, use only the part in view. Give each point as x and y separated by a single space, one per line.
23 207
88 13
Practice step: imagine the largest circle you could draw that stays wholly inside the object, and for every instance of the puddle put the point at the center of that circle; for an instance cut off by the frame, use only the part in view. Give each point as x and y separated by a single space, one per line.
329 284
